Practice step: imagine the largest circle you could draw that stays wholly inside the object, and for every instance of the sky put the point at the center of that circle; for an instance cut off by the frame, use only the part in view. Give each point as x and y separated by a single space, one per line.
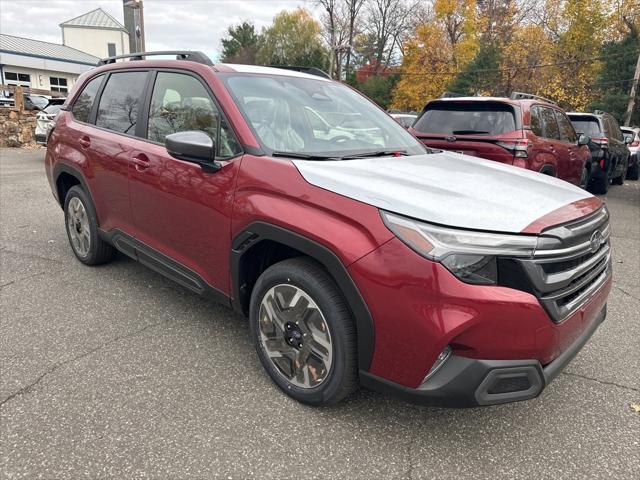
169 24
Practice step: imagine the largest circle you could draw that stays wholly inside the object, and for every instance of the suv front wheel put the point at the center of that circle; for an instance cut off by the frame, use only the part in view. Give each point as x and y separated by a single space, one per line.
303 332
82 229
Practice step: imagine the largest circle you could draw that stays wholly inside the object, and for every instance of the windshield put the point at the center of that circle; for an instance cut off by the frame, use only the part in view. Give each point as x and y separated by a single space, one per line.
586 125
316 117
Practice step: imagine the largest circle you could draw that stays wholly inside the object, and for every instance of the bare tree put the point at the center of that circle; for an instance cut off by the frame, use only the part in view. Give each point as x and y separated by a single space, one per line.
353 8
387 22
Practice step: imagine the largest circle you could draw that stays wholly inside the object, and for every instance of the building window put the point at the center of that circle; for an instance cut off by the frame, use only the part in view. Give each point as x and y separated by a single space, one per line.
111 47
58 84
22 79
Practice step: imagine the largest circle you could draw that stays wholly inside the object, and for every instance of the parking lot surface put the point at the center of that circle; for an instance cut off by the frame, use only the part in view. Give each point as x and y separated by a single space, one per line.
116 372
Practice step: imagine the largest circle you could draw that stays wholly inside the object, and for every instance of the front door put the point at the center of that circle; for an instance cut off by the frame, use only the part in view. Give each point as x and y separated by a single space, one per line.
179 210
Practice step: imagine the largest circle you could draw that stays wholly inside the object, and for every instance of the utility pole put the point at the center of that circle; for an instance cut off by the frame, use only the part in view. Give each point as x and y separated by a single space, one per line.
632 95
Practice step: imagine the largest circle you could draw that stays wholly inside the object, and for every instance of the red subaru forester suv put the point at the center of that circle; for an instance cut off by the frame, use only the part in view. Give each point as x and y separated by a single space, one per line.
524 130
359 256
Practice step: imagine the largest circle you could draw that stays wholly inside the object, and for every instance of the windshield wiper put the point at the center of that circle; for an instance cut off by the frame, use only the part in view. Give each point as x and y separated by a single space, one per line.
302 156
378 153
468 132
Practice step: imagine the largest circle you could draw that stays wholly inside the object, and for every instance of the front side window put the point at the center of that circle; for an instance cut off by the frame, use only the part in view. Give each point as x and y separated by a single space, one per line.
549 124
180 103
120 102
315 117
467 118
82 106
567 133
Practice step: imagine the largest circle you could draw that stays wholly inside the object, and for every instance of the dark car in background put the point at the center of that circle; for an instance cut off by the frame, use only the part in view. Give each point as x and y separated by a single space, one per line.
524 130
609 152
632 139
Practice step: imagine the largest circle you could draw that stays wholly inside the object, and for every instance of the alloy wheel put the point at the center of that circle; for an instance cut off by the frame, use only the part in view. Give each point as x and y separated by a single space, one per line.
295 336
78 227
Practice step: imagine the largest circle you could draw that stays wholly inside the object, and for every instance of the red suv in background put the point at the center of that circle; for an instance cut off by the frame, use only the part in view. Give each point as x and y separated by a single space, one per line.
359 256
525 131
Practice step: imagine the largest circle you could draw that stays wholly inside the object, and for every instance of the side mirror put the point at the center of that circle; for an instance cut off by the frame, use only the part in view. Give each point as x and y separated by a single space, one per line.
193 146
584 139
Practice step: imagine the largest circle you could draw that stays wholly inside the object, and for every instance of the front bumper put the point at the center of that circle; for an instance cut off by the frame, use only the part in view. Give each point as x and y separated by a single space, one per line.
468 382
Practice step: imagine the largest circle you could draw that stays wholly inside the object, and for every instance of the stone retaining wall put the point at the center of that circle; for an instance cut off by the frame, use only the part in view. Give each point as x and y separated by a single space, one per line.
17 129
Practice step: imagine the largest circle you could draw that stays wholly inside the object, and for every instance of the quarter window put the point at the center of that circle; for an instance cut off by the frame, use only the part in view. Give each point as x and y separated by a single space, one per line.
180 103
549 124
120 102
82 106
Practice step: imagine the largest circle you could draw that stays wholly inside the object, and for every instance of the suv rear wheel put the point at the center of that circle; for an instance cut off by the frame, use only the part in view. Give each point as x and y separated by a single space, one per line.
586 176
620 180
303 332
632 172
82 229
600 182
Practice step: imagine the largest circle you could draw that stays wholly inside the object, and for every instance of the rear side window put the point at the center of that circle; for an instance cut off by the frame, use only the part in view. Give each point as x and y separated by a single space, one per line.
586 125
467 118
82 106
567 134
180 103
120 102
549 124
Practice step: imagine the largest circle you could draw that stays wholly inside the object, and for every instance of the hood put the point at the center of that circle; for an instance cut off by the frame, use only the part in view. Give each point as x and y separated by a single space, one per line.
448 188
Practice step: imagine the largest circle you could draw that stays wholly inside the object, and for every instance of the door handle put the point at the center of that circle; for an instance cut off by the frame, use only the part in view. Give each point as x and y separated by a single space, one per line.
85 142
141 162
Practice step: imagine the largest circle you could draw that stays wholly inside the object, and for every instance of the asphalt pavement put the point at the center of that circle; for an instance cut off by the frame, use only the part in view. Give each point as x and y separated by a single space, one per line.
115 372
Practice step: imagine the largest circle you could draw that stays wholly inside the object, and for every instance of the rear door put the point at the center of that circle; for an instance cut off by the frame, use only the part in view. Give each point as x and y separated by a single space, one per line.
558 149
577 155
111 141
179 210
475 128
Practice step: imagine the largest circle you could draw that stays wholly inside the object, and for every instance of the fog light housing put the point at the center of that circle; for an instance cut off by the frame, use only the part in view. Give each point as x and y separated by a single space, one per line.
442 358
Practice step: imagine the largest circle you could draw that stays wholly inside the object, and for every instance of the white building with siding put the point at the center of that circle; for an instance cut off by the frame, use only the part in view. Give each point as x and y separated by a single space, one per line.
41 65
97 33
49 66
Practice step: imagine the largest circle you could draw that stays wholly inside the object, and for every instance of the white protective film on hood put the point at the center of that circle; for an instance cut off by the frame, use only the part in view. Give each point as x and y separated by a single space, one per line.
446 188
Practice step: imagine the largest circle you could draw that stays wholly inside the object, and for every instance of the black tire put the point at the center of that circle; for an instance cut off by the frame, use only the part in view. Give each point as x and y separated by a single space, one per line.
99 251
620 180
305 274
599 183
632 172
586 176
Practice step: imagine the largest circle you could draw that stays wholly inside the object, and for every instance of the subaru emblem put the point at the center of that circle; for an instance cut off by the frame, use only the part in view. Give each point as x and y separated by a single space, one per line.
596 241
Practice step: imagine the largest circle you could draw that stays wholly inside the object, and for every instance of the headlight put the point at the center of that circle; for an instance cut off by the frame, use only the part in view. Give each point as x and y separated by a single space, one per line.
469 255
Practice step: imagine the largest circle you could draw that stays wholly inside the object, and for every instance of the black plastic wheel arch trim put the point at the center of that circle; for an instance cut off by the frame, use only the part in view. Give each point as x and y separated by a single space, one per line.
259 231
61 168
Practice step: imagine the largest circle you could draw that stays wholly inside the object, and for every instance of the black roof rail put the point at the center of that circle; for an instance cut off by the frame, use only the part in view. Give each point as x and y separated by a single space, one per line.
191 56
529 96
310 70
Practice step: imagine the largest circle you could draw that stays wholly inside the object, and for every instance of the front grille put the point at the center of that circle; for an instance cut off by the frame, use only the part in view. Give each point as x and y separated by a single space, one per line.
566 269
